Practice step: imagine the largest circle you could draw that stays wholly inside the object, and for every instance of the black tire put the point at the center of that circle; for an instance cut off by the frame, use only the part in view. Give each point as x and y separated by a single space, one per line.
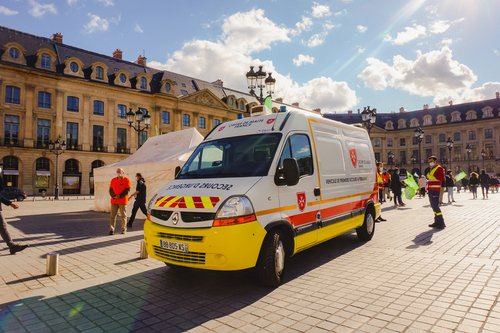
271 263
20 198
367 230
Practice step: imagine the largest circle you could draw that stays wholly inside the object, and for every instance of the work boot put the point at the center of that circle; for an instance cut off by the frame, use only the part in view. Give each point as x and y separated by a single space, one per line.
17 248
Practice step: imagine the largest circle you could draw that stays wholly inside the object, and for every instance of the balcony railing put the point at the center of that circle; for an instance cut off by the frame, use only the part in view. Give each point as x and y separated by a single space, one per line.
73 147
41 145
101 149
11 142
122 150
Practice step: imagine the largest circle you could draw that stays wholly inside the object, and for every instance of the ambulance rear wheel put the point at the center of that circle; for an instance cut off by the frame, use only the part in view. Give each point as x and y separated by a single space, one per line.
271 264
366 231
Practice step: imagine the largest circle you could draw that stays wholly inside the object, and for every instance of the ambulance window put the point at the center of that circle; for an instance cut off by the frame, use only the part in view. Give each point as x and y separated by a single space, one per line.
298 147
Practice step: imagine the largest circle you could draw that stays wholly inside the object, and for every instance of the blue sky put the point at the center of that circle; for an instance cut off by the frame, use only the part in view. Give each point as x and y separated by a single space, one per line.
335 55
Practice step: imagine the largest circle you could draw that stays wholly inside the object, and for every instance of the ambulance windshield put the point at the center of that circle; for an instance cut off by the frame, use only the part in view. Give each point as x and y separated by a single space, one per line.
242 156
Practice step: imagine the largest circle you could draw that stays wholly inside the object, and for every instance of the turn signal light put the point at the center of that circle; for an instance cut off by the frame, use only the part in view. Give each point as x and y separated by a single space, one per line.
234 220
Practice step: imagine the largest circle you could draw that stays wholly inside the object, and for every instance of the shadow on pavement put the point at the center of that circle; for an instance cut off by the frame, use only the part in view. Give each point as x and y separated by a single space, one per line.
422 239
162 299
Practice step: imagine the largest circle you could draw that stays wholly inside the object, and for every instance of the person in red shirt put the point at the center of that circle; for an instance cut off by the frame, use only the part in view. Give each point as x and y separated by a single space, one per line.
435 178
118 190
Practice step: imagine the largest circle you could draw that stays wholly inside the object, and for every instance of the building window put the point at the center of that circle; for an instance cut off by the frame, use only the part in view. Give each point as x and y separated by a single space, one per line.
123 78
390 142
442 138
42 164
143 136
202 122
488 133
377 157
402 142
12 95
168 87
401 123
376 142
242 106
441 119
45 61
72 135
388 125
14 53
184 92
97 138
122 111
73 104
428 153
216 122
414 140
121 140
428 139
471 115
186 120
427 120
455 116
456 136
414 123
71 166
487 112
99 73
43 133
472 135
11 130
144 83
74 67
165 117
44 100
402 155
99 108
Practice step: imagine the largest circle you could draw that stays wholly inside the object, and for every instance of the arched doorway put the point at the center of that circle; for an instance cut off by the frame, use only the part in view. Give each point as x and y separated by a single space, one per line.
10 171
95 164
42 174
72 177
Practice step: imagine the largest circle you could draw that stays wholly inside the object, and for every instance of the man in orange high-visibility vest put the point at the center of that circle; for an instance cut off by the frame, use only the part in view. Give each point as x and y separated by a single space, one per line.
119 188
435 177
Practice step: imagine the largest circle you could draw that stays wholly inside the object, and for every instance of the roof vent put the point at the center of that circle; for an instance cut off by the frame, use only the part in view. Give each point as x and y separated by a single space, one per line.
117 54
401 109
57 37
141 60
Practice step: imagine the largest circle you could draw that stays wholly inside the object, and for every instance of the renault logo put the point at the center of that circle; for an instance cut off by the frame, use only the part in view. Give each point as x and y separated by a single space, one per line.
175 218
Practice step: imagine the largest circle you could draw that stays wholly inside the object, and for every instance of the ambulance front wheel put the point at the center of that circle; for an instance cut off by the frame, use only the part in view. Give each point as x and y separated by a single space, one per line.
366 231
271 264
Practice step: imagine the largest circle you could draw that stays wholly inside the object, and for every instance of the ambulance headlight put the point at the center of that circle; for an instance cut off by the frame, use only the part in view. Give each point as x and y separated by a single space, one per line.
151 202
235 210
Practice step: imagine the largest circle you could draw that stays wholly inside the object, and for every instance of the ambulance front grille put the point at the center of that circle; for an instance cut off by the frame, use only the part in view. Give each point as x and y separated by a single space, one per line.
183 257
187 238
197 217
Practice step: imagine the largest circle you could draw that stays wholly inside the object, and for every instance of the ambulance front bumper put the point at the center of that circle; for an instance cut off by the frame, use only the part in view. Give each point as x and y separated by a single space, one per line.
223 248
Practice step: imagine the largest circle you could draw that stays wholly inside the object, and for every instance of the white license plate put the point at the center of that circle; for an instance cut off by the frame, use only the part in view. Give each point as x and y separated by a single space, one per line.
174 246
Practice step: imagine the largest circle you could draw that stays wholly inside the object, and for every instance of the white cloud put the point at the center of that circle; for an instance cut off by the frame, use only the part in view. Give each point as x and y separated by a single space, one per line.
446 42
38 10
197 59
328 25
7 11
340 13
251 31
303 25
434 74
406 36
316 40
106 3
303 59
319 10
361 28
138 28
71 2
360 49
95 24
496 52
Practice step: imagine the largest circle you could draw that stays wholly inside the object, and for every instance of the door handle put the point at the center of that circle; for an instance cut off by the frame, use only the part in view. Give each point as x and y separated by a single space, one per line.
317 191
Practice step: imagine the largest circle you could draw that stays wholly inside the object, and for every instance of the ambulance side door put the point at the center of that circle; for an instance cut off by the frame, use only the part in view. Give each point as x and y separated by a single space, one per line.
295 201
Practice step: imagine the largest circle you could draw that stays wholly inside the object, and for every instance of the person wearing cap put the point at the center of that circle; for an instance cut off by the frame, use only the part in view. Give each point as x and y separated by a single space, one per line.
435 179
118 190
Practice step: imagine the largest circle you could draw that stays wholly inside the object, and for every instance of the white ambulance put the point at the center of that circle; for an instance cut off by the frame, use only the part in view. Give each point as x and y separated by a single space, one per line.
258 190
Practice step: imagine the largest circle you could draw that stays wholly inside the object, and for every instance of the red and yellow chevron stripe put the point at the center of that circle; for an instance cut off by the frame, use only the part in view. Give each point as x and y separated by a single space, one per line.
187 202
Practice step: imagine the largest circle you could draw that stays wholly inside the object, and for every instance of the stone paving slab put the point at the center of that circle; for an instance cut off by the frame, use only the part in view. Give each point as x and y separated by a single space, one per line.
407 279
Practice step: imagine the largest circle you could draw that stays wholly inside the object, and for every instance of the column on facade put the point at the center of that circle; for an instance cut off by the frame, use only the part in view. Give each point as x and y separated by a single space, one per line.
110 131
177 120
196 115
28 124
85 180
59 125
85 130
155 121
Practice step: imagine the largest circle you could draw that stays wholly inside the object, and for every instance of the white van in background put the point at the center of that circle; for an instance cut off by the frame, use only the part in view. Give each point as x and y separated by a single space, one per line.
258 190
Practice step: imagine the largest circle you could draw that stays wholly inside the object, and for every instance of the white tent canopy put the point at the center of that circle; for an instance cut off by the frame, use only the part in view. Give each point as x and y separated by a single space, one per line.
156 160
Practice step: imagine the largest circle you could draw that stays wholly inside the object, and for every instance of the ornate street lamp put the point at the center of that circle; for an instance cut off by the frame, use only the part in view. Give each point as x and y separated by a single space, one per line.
57 148
419 134
368 117
390 157
468 149
449 144
483 155
258 80
138 117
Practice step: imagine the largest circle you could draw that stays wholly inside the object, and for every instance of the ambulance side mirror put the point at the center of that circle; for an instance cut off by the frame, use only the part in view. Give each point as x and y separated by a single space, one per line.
291 171
177 171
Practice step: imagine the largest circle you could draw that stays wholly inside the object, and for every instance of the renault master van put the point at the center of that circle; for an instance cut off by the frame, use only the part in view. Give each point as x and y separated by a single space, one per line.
258 190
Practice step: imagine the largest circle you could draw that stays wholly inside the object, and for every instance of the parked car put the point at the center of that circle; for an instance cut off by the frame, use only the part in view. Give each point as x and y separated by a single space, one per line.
12 193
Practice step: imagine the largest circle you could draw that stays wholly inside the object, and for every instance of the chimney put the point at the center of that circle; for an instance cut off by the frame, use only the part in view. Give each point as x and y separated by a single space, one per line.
426 106
349 112
141 60
296 104
450 103
498 94
401 109
219 83
318 110
117 54
57 37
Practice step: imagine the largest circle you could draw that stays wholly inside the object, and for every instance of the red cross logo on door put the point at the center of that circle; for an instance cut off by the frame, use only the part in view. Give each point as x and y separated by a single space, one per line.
301 200
354 157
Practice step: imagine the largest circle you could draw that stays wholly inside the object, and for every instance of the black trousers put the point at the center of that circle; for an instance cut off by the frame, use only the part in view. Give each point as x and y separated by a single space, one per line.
137 205
434 201
3 231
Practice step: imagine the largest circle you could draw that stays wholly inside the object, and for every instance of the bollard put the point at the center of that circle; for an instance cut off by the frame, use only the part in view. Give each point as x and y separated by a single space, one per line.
52 264
144 252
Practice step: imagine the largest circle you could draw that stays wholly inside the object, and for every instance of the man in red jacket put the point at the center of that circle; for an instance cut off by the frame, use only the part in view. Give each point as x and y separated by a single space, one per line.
118 190
435 178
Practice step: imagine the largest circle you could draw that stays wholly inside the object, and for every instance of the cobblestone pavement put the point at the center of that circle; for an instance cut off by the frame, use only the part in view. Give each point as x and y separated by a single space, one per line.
409 278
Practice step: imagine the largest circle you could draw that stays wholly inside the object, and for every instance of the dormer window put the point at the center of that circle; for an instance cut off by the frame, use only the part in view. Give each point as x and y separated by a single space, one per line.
388 125
427 120
487 112
242 106
45 61
168 87
99 73
401 123
455 116
144 83
414 122
471 115
74 67
441 119
123 78
14 53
